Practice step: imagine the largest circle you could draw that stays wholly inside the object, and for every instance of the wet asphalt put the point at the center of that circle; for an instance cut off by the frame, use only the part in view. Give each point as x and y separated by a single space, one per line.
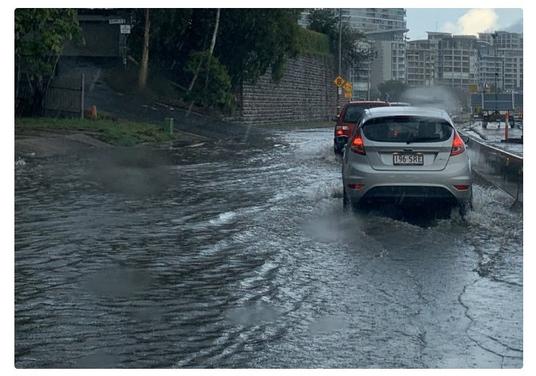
239 255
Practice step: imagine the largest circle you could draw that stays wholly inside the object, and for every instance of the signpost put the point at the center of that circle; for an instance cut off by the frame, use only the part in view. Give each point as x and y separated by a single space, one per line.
339 81
125 29
347 89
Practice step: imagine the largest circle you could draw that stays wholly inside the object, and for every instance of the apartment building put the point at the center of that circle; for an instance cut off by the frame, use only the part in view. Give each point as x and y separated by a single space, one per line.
457 64
421 58
385 29
492 59
501 60
375 19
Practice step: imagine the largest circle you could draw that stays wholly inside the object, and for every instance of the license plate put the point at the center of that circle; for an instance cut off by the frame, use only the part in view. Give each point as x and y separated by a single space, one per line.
408 159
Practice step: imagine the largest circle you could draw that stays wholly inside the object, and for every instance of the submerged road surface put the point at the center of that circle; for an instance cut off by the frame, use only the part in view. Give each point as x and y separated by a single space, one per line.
240 256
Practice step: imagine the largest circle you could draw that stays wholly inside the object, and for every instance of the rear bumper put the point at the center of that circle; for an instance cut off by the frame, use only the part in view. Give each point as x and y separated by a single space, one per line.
409 194
404 185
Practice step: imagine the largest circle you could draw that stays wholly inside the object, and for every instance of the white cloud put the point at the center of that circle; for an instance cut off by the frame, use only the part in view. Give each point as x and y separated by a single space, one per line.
474 21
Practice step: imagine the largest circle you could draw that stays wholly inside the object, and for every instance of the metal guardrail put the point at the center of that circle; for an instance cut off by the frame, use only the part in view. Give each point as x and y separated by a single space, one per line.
499 167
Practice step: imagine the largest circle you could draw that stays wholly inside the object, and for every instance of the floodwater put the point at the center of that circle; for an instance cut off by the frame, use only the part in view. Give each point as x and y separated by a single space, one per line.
240 256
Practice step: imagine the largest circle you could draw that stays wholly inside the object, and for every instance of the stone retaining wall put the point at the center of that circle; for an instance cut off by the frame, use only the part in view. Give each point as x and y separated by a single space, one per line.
305 93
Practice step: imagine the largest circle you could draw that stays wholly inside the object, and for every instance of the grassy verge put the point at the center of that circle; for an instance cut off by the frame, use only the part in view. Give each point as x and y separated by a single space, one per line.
311 42
122 132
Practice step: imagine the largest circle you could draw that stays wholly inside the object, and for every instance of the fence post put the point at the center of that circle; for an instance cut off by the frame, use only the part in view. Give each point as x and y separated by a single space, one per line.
82 92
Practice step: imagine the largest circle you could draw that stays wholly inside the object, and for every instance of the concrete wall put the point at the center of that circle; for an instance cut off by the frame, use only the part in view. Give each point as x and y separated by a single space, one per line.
500 168
305 93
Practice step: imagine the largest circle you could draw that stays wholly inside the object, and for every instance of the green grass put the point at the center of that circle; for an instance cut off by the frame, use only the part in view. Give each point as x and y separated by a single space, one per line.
311 42
122 132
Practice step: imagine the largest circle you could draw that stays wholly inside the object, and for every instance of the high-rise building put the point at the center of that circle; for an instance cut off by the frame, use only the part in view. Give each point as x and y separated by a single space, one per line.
421 58
457 64
501 60
375 19
385 30
491 60
390 61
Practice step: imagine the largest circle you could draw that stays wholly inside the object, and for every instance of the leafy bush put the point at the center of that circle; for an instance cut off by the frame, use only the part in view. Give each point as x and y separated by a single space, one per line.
213 85
312 42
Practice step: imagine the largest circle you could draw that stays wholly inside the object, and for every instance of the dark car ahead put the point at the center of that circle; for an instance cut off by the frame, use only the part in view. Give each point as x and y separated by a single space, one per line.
350 116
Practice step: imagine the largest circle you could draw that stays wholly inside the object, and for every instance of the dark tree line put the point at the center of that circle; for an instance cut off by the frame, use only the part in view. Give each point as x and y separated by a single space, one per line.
40 35
208 53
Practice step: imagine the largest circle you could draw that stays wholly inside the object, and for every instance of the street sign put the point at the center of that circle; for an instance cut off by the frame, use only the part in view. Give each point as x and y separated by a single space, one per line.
473 88
125 29
347 86
115 21
339 81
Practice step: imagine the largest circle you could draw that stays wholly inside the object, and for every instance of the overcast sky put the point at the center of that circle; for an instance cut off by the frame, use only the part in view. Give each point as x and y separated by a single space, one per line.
461 21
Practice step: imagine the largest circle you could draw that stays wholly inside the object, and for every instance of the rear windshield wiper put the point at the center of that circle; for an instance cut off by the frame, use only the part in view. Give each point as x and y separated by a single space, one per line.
422 139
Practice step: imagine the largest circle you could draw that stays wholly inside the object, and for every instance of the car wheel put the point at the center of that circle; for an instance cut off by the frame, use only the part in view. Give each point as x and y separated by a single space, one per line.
345 201
466 205
463 209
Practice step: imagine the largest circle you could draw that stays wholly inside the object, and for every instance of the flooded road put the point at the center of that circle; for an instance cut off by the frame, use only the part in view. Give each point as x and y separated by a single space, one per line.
240 256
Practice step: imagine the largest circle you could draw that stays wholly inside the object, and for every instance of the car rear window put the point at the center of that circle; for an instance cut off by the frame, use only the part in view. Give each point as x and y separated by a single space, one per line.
407 129
355 112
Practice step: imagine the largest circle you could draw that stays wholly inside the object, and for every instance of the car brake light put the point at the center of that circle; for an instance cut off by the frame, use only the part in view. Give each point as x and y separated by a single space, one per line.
341 130
458 146
358 146
358 186
461 187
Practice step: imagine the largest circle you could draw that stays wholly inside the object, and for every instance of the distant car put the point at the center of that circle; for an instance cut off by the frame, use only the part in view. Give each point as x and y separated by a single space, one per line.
347 120
399 104
400 154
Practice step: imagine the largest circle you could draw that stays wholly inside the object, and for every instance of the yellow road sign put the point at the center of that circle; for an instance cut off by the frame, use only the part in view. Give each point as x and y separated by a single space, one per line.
339 81
347 86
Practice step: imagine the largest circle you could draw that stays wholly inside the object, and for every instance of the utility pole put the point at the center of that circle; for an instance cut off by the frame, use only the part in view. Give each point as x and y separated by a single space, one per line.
494 36
340 40
340 58
142 77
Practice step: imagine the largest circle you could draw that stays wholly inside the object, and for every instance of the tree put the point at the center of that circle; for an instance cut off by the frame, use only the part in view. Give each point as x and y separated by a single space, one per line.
392 90
40 35
166 39
355 47
323 21
212 44
253 40
144 66
218 91
209 55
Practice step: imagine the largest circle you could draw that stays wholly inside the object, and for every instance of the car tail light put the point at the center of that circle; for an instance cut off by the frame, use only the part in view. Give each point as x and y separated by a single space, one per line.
357 186
358 146
458 146
461 187
341 130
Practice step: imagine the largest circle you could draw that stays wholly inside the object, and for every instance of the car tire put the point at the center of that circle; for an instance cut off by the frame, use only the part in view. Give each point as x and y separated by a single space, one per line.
345 201
466 206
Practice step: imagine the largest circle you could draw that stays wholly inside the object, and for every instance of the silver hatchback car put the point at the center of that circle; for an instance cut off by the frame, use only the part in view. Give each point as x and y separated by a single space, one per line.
402 154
